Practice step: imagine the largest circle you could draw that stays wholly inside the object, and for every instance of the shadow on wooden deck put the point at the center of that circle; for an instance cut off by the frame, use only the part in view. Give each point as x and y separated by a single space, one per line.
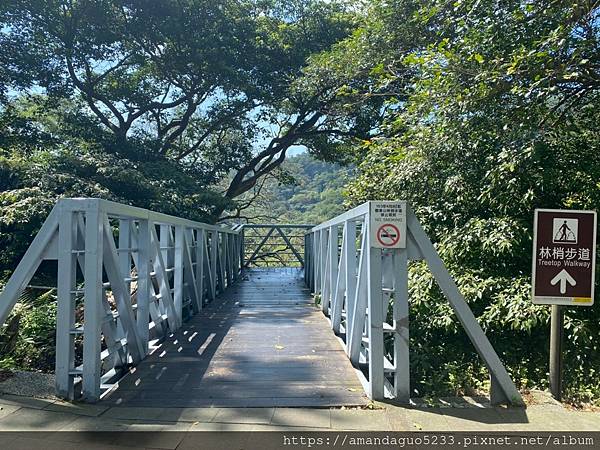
260 344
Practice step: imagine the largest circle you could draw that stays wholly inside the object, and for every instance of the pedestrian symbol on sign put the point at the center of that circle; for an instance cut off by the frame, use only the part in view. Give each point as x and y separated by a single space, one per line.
565 230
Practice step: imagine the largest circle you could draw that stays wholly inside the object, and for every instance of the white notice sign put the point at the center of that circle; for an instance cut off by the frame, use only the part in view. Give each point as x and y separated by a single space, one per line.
387 224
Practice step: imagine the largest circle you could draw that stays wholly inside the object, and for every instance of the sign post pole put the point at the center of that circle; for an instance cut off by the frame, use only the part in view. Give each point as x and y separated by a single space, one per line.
556 340
563 272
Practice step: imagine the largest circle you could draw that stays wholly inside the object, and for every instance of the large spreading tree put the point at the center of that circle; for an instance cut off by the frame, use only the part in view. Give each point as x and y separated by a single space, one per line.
204 86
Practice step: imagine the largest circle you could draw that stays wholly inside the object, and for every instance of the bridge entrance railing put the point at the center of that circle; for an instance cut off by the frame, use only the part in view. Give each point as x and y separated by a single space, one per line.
126 276
357 263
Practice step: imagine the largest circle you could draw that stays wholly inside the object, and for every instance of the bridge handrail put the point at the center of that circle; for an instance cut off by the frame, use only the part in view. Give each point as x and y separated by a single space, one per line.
280 225
358 212
103 250
361 280
120 210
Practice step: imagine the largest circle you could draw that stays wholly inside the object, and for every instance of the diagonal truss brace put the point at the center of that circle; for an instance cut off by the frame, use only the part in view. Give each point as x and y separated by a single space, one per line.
382 276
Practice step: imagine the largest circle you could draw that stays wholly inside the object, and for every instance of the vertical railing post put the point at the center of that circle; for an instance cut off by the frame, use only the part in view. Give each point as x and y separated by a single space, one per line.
178 273
238 240
200 244
93 292
315 246
350 268
144 284
307 261
376 319
332 267
401 329
221 251
341 283
224 264
65 314
124 258
125 247
323 241
223 259
189 271
317 287
235 255
214 248
356 320
315 250
311 256
317 263
228 258
242 247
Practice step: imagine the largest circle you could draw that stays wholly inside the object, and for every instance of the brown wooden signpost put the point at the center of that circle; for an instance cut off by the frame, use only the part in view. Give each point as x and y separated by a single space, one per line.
563 272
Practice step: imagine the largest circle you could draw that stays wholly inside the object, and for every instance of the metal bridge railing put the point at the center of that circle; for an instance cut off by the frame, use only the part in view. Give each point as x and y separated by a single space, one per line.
126 277
358 264
273 245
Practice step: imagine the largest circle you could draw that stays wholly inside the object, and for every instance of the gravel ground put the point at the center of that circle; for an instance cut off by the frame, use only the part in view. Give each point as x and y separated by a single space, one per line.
30 384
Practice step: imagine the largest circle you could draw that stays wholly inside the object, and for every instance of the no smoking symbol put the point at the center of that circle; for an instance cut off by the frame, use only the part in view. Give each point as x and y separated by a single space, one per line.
388 235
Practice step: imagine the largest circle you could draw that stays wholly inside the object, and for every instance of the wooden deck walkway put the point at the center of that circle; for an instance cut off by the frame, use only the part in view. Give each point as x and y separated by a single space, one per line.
260 344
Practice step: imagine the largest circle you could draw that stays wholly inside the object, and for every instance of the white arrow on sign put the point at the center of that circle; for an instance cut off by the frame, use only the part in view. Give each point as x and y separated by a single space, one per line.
563 276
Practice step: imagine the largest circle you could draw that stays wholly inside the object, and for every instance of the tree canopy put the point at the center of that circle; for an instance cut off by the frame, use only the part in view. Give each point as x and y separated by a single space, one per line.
488 111
205 86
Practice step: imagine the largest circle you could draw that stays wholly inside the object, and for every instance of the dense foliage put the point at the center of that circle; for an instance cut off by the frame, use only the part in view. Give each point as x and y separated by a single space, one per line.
490 112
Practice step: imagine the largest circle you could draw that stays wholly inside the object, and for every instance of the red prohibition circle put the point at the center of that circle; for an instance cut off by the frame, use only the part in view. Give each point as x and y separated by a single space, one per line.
386 231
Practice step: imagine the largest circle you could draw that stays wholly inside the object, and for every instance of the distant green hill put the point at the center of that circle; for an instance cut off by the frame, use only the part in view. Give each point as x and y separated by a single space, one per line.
305 191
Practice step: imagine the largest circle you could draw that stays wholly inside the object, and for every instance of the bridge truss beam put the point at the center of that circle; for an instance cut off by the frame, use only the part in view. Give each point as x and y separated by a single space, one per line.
126 277
363 291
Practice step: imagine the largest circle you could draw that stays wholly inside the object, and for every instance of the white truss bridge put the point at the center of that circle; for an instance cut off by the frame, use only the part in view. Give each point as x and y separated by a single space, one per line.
156 309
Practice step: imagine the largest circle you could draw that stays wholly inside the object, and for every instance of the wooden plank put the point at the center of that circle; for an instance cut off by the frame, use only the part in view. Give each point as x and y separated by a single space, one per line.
248 356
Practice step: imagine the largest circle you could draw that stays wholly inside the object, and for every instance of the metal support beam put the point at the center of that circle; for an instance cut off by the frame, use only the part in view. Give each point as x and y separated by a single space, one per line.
383 278
65 314
401 329
144 283
29 263
214 250
356 322
200 262
463 312
94 244
375 322
178 273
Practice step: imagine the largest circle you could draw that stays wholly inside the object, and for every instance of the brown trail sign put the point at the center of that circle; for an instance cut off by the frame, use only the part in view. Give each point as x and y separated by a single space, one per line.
564 256
564 260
